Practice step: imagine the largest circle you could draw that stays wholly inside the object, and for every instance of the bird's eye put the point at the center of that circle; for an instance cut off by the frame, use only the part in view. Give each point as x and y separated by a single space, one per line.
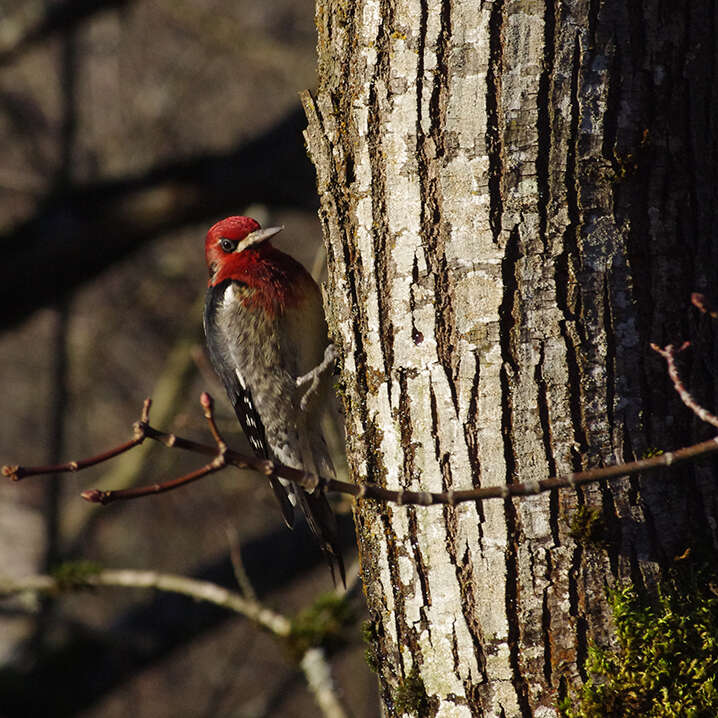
227 244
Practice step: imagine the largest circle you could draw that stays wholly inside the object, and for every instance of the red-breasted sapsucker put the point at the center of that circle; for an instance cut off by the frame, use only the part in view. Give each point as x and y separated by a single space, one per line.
265 328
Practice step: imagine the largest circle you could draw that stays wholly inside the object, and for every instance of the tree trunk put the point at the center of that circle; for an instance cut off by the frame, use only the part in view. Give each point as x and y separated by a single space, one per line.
517 196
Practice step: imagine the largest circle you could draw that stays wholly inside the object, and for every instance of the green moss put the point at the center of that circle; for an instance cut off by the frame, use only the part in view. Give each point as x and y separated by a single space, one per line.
665 663
73 575
321 624
587 526
627 164
370 637
340 389
371 660
410 696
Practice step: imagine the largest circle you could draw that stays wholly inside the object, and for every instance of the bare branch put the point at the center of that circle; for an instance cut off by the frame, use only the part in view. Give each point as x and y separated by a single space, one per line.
217 464
199 590
701 302
15 473
361 491
669 354
96 496
208 405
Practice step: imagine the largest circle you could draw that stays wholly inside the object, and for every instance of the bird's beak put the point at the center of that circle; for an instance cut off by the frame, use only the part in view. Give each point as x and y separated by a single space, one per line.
257 237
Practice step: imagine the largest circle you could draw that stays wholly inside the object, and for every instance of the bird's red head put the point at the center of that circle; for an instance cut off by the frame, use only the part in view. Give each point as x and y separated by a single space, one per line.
233 244
238 249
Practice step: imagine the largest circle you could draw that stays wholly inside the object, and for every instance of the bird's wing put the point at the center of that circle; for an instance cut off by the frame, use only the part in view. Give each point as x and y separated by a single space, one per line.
246 412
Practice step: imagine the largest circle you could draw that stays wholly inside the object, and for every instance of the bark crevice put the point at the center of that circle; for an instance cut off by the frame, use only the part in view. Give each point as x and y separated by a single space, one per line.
494 146
380 230
544 117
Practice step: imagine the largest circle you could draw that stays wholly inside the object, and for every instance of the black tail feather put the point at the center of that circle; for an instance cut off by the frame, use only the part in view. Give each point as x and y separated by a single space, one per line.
323 525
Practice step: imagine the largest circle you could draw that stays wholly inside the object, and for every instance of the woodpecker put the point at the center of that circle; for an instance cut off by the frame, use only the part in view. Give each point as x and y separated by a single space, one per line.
265 327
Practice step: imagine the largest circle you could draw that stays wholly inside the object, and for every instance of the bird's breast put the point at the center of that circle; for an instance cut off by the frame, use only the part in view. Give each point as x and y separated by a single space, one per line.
243 316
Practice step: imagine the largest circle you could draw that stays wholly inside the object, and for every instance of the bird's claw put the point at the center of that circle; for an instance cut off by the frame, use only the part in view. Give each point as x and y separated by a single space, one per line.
313 377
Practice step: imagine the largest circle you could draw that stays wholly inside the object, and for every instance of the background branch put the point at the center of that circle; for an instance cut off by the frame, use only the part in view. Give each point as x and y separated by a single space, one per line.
38 21
89 226
313 663
170 583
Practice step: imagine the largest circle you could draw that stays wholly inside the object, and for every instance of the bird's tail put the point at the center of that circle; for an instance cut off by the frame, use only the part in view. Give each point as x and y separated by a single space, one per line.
323 523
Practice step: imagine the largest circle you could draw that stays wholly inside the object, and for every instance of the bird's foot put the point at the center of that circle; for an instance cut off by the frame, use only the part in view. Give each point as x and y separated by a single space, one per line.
314 376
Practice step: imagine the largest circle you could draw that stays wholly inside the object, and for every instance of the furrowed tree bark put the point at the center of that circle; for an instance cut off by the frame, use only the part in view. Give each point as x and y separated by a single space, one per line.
517 197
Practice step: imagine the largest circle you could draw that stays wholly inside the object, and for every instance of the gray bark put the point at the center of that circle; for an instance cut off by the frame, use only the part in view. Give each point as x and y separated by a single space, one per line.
516 196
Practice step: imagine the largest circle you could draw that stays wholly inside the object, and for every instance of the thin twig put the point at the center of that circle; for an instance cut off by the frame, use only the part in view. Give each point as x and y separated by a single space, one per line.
217 464
170 389
97 496
208 405
701 302
16 473
240 572
669 354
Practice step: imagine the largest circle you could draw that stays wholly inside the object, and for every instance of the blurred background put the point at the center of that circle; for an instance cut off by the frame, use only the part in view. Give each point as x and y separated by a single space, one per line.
127 127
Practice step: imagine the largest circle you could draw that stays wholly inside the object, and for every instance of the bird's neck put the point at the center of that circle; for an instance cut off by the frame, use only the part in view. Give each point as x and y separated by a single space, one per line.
274 280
